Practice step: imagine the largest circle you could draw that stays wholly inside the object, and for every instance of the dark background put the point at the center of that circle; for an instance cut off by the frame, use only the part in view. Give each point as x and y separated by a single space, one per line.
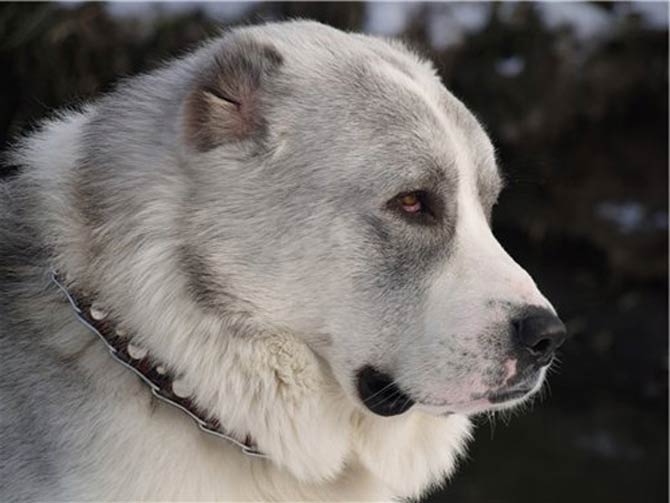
575 98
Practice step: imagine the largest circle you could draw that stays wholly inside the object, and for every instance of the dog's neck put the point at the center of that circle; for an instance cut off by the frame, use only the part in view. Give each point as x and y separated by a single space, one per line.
251 378
158 377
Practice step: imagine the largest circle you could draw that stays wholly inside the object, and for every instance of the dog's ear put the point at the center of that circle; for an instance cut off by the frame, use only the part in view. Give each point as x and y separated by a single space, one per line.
226 103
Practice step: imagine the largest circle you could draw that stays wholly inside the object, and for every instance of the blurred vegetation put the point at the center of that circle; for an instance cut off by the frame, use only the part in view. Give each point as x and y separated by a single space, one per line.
581 128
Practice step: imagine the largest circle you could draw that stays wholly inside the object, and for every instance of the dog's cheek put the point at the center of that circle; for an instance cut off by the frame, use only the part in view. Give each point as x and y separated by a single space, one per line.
411 452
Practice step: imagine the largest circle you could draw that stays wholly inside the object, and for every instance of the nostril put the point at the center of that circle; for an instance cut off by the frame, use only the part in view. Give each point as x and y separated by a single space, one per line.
540 334
542 347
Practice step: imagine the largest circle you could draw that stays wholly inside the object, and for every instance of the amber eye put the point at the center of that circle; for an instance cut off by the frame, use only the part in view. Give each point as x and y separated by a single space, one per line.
417 206
411 203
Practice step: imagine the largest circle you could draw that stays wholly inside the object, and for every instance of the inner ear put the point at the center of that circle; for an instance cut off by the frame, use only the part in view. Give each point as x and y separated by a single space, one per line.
226 103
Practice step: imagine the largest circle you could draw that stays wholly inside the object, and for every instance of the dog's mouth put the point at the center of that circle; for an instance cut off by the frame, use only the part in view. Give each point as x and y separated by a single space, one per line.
502 396
381 394
519 388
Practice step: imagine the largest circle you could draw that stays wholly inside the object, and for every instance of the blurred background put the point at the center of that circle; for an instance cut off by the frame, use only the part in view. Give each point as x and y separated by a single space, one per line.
575 98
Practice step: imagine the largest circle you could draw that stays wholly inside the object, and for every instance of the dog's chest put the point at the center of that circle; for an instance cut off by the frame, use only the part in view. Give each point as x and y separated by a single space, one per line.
146 450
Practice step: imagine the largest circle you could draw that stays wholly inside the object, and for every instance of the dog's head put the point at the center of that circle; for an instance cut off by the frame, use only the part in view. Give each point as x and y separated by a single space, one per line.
338 190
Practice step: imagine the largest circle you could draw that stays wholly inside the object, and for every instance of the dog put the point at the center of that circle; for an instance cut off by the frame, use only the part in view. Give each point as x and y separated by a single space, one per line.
264 271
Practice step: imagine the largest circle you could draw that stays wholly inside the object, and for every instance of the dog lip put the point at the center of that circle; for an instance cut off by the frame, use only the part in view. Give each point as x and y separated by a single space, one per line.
507 395
380 393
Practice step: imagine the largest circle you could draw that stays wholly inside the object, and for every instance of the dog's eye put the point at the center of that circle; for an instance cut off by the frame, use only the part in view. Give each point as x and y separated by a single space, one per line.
411 203
417 206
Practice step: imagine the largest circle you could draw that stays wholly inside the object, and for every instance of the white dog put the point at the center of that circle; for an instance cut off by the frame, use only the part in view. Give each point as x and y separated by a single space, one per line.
286 235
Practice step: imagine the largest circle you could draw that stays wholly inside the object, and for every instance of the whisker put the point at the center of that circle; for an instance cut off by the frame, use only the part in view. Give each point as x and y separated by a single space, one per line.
392 383
385 399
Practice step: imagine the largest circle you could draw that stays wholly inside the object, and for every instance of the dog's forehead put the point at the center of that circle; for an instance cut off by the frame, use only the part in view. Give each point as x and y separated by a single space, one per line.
435 126
425 133
389 101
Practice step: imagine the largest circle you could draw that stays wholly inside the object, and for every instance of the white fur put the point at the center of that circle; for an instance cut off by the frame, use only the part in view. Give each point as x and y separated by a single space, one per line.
265 373
320 446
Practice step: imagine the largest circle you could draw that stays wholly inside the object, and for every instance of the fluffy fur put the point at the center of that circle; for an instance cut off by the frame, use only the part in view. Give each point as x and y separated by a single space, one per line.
229 210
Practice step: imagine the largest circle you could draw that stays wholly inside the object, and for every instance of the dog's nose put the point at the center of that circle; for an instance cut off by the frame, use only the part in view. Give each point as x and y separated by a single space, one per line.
540 334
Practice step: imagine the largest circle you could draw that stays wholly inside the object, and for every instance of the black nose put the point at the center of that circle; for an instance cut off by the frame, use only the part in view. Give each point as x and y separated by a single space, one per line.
540 334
